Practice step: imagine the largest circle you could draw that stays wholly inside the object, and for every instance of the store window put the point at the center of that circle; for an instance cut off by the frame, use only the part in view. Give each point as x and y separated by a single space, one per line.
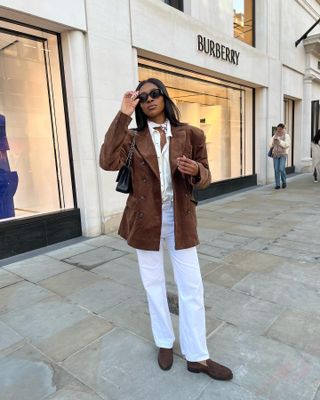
178 4
223 110
243 20
315 106
35 175
289 123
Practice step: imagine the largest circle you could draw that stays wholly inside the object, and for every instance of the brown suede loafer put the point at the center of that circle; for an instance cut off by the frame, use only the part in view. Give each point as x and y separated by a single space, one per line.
165 358
213 369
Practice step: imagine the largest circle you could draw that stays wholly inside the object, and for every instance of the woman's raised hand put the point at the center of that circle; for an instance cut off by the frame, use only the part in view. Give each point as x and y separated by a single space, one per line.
129 102
188 166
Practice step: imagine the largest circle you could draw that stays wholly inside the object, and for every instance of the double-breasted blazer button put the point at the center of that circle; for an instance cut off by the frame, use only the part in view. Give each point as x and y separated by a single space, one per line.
144 180
142 163
140 214
142 197
188 212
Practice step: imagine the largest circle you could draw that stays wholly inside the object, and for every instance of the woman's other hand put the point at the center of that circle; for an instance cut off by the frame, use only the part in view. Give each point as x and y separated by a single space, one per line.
188 166
129 102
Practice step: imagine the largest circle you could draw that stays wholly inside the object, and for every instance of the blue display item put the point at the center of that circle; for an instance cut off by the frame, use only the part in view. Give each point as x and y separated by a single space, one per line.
8 179
4 146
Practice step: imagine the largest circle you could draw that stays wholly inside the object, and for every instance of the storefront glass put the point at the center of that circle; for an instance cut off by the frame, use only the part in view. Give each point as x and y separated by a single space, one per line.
289 122
34 159
243 20
221 109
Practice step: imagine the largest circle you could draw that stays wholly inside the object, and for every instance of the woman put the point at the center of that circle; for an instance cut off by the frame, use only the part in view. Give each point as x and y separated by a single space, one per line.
170 159
280 144
315 148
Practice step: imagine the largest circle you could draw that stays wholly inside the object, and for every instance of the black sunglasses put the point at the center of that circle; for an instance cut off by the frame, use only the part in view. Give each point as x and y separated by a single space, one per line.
154 94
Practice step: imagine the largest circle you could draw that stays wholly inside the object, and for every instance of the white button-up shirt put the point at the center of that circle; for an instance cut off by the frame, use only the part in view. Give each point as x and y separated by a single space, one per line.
163 159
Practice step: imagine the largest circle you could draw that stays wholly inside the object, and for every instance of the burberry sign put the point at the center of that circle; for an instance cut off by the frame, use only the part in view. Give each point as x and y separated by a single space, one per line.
218 50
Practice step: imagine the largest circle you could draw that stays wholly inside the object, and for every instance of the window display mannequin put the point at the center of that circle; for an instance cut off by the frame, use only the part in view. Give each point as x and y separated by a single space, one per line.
8 179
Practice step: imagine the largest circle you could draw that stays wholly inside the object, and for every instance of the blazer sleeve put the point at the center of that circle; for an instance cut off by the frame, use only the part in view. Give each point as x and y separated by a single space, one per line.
114 150
199 154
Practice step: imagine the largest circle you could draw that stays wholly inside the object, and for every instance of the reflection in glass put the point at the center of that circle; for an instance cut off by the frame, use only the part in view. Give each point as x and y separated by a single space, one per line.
222 110
243 20
289 123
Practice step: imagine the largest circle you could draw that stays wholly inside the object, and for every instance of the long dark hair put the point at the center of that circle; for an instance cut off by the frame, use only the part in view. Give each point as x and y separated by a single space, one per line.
316 138
170 109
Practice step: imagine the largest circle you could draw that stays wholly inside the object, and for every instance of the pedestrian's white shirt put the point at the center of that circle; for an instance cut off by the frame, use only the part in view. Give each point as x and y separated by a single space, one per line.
163 159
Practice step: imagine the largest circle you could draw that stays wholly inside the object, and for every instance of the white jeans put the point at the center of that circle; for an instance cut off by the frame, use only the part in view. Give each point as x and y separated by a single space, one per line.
187 276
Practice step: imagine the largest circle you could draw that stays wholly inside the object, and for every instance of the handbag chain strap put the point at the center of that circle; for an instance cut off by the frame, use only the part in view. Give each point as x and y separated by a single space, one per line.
130 154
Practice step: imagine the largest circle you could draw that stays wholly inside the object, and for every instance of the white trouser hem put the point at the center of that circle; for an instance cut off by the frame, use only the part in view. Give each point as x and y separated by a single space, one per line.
198 358
164 345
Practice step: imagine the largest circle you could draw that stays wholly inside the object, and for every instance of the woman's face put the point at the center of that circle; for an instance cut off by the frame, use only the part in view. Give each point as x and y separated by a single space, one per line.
153 108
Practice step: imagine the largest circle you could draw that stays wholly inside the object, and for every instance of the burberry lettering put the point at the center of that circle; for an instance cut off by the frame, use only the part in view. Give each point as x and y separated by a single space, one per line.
218 50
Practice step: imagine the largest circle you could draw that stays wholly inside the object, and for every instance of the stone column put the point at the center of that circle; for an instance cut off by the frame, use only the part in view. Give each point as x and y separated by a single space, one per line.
82 131
261 135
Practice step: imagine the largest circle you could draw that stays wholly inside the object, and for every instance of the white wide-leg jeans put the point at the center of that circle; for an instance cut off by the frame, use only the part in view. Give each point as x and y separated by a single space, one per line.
192 328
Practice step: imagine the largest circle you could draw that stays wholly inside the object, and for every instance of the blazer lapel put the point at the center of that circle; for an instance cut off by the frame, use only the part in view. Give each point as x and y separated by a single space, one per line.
177 143
145 146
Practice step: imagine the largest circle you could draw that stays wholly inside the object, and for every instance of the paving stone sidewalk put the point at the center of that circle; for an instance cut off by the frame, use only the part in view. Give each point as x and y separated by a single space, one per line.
74 321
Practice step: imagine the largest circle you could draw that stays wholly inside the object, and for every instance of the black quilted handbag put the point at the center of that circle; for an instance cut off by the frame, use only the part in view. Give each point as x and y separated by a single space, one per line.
124 181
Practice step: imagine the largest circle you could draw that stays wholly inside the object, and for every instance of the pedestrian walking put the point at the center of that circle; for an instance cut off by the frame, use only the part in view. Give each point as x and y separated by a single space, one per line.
168 162
315 149
280 144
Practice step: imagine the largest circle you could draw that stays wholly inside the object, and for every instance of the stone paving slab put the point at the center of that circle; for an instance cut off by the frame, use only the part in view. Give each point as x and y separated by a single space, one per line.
70 282
56 327
7 278
298 329
102 295
266 367
257 244
253 260
115 242
67 252
210 249
226 275
21 295
227 391
36 269
37 377
122 270
298 235
245 230
110 364
279 290
302 246
294 253
8 337
74 391
300 271
94 257
247 312
207 234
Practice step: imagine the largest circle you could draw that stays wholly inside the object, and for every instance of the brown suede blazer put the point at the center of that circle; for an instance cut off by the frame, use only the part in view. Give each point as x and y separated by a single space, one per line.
142 217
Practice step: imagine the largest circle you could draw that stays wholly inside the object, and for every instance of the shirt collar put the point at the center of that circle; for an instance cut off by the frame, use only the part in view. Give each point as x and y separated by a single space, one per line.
152 125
